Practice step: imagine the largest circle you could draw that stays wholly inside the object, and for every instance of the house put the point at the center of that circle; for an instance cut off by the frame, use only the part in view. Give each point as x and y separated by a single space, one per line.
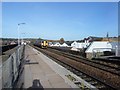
12 42
69 43
57 44
97 48
64 45
74 49
74 44
116 47
50 44
83 45
80 45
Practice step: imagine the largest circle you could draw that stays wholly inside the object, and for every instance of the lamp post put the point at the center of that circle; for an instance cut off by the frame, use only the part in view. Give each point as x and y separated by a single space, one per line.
22 37
18 32
19 40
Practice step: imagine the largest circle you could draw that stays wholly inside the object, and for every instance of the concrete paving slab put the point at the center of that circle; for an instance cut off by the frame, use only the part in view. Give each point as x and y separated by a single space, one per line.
39 76
27 77
47 72
41 72
46 84
63 72
55 79
60 85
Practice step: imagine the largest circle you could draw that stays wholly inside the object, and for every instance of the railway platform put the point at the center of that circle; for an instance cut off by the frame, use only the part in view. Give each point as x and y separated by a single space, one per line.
41 72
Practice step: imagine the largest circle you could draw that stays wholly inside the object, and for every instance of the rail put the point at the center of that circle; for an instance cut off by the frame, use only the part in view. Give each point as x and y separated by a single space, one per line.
6 47
97 73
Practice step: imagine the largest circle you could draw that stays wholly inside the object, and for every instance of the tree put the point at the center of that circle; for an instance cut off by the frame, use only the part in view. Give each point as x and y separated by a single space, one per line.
61 40
40 39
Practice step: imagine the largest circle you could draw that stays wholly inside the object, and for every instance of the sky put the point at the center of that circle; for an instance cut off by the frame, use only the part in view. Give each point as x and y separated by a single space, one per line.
55 20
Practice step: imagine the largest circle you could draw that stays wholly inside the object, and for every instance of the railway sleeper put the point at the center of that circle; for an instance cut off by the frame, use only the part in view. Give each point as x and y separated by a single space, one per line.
88 79
100 86
83 76
81 85
93 82
104 68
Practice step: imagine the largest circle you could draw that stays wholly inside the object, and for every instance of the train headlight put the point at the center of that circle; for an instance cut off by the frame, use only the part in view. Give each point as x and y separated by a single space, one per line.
42 44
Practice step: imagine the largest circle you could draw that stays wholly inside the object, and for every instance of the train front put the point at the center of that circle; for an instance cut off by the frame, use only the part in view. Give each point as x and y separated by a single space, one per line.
44 44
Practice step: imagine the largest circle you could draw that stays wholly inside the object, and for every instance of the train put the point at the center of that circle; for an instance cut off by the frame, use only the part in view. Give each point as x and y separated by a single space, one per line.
41 43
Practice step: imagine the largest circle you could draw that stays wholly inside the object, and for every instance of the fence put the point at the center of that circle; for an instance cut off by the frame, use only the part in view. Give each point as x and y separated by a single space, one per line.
11 68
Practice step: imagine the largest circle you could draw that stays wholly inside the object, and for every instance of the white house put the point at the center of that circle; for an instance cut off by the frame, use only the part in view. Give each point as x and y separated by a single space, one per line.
74 49
50 44
98 47
79 45
12 43
116 47
74 44
57 44
64 45
83 45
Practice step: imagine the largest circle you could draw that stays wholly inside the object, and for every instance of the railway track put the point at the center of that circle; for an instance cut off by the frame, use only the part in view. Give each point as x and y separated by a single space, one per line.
103 66
6 48
110 63
98 77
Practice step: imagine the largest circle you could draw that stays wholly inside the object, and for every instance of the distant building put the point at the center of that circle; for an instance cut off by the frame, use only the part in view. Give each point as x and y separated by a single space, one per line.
28 41
12 42
80 45
97 48
64 45
69 43
74 44
110 39
116 48
119 49
50 44
92 38
23 43
74 49
57 44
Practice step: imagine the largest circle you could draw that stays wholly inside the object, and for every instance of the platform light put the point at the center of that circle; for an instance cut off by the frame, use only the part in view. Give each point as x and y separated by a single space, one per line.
19 31
19 39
